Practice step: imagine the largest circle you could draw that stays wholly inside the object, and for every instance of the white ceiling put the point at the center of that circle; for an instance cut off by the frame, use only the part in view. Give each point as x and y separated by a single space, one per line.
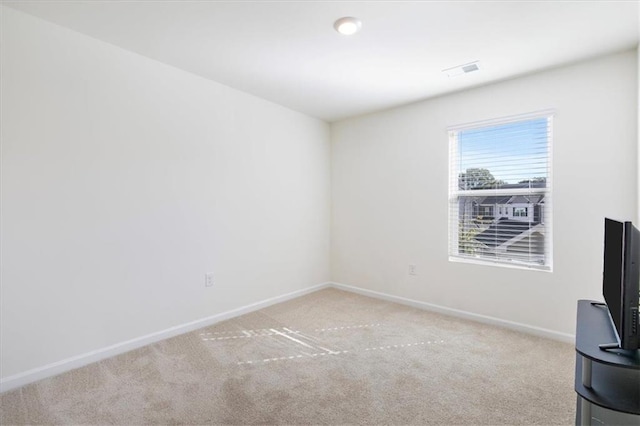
288 52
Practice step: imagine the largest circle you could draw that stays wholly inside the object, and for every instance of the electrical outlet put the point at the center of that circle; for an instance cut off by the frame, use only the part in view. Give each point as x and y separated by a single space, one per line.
412 269
208 280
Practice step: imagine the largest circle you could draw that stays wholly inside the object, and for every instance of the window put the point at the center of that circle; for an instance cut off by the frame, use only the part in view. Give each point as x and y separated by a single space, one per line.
494 165
520 211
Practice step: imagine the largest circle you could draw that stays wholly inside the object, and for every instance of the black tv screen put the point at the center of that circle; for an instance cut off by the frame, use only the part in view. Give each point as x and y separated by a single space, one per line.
612 274
620 283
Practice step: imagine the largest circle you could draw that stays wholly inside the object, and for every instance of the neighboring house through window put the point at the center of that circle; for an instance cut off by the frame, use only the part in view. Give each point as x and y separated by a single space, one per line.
500 191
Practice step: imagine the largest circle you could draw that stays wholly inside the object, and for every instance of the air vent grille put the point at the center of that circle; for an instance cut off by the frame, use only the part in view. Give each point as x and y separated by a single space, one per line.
469 68
462 69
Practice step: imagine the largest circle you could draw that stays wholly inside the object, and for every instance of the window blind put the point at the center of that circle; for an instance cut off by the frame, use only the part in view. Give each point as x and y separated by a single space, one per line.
500 191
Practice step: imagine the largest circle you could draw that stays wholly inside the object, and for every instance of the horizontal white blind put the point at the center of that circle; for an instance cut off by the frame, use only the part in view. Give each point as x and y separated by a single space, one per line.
500 191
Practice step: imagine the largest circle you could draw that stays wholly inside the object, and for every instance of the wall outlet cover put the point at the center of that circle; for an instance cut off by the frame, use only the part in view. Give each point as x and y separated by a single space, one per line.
208 280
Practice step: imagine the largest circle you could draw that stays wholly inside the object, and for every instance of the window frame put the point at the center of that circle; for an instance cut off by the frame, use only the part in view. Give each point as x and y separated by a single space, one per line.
546 209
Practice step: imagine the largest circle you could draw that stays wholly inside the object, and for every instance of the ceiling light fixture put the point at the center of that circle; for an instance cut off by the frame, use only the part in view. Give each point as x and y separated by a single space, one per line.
347 25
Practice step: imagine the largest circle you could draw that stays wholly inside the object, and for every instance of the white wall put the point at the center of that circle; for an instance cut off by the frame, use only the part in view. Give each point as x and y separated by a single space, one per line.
125 180
389 193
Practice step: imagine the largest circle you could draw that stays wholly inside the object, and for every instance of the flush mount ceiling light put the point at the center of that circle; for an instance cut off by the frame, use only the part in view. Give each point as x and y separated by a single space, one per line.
347 25
462 69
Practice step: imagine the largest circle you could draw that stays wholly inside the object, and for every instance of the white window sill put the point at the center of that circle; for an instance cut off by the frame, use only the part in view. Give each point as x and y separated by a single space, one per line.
501 264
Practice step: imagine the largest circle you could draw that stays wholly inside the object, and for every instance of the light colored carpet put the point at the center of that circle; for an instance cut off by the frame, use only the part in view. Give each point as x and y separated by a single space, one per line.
330 357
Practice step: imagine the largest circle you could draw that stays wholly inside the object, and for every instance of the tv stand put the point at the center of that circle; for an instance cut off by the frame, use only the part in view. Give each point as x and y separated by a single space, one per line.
607 382
608 346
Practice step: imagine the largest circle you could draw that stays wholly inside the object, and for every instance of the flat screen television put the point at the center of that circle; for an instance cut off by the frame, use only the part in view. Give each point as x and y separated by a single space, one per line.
621 281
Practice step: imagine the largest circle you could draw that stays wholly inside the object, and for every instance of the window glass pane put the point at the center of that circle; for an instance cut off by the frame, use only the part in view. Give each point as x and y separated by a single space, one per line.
501 168
504 156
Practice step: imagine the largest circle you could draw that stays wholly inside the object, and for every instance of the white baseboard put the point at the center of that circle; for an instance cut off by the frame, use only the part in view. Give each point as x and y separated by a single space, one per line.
529 329
30 376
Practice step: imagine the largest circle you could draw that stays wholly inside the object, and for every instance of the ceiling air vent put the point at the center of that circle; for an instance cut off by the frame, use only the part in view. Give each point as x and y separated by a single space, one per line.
462 69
